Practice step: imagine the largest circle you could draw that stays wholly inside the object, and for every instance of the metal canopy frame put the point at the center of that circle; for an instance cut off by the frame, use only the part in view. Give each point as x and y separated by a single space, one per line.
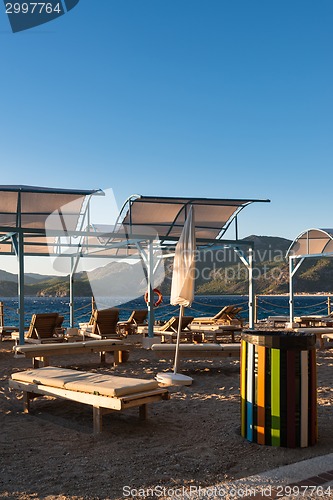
26 225
169 232
127 216
311 243
17 234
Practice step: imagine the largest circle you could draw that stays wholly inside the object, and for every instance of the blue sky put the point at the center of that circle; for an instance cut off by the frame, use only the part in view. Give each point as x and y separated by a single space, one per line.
208 98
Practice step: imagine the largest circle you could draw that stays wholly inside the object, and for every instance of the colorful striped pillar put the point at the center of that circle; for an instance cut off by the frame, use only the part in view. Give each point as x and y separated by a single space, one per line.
279 388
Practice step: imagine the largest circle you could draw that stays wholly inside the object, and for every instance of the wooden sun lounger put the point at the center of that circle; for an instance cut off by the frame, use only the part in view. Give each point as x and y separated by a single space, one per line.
105 393
214 331
188 351
228 315
44 328
168 331
102 324
42 352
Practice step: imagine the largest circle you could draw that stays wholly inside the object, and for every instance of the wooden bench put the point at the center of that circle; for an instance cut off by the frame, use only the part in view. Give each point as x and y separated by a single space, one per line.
42 352
105 393
188 351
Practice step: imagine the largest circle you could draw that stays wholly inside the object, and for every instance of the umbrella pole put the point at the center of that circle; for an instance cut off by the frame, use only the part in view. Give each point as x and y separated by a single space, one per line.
176 363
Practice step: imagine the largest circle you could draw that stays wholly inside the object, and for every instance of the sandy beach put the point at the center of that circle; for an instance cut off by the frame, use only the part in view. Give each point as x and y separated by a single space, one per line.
193 439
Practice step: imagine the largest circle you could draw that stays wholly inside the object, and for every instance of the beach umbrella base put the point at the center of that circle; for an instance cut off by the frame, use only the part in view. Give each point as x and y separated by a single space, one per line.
173 379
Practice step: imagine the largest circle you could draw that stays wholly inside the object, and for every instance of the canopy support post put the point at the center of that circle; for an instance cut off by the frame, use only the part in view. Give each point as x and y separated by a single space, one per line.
291 290
74 263
248 262
292 271
20 255
251 290
71 294
150 276
18 245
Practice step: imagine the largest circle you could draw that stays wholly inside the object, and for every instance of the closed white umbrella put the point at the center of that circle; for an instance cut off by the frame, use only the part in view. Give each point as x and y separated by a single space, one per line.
182 289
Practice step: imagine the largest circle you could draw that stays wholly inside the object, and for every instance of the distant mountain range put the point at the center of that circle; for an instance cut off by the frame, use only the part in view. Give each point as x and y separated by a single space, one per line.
217 272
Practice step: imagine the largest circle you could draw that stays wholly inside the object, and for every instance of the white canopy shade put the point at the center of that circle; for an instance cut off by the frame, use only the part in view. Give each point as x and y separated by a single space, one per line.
312 242
309 243
25 210
167 215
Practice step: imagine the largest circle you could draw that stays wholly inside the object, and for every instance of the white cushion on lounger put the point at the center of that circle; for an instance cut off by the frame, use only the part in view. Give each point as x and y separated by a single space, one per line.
50 375
92 383
111 385
68 345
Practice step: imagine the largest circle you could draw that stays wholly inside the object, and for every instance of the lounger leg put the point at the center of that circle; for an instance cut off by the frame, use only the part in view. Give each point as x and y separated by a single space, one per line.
26 401
97 416
35 362
117 356
45 361
41 359
143 412
103 357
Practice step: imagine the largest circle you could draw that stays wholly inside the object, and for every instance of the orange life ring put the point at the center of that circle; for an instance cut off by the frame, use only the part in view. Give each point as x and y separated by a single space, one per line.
159 297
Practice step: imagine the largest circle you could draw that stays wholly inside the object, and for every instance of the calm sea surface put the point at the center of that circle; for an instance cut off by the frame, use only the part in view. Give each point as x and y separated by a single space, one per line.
204 305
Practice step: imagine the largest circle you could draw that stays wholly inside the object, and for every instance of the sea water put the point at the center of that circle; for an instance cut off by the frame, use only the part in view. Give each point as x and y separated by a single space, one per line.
203 305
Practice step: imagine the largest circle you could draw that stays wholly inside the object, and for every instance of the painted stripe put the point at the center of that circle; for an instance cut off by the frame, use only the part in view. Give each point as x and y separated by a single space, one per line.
249 392
304 398
313 434
243 388
291 400
275 396
261 396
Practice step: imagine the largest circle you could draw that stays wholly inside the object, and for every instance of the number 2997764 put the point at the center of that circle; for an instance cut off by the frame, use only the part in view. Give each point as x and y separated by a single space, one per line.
33 8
